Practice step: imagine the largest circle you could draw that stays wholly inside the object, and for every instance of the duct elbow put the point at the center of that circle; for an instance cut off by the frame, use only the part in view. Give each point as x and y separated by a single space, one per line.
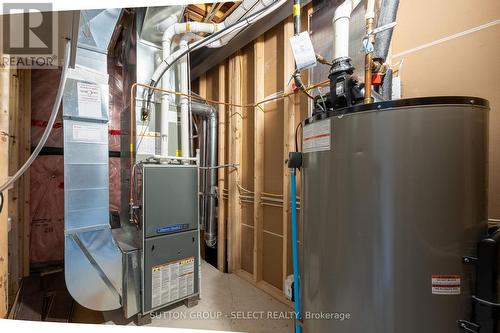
162 26
344 10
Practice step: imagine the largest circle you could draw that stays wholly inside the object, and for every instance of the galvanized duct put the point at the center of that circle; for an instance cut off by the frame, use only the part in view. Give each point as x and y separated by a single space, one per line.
208 169
93 269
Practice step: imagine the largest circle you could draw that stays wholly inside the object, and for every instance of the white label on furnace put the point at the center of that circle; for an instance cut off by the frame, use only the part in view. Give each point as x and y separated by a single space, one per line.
89 133
446 284
146 141
172 281
89 100
317 136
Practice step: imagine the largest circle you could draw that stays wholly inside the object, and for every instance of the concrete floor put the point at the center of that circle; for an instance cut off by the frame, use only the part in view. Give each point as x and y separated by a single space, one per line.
228 303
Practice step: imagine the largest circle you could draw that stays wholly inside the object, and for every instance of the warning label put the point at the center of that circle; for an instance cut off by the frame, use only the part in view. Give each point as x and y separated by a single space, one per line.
89 100
172 281
446 284
317 136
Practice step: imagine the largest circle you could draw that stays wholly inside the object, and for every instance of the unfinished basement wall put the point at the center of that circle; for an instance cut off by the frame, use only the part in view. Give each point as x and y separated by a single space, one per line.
452 48
254 203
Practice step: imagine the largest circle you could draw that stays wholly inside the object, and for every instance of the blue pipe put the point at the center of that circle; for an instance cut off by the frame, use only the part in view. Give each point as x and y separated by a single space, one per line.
295 255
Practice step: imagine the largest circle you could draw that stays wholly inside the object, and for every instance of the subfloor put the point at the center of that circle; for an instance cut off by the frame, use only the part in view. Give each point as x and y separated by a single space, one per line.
228 303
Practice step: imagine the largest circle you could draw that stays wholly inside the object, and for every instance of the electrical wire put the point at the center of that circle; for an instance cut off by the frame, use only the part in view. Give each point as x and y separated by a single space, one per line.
485 302
296 137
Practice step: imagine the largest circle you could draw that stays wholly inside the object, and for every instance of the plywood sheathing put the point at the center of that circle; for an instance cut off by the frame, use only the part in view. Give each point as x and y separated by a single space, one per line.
468 64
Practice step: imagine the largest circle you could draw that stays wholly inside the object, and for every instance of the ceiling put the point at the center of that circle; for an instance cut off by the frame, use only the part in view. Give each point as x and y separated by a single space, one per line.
210 12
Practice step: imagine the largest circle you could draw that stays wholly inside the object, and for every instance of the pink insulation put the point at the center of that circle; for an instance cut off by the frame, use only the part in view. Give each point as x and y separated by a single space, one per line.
47 172
44 83
114 184
47 209
115 104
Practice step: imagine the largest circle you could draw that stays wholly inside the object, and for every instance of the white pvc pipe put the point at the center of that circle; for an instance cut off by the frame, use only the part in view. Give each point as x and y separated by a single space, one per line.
184 88
170 58
170 117
341 20
166 63
370 9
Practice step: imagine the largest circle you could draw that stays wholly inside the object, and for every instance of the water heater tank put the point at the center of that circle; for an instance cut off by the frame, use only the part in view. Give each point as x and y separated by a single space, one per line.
393 198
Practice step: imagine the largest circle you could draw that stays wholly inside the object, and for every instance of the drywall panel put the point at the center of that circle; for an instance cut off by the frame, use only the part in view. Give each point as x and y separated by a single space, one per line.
423 21
467 65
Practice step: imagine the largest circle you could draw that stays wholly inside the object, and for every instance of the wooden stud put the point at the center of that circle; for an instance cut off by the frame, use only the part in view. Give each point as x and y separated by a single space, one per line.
259 73
4 173
235 129
25 111
289 108
15 128
221 232
266 287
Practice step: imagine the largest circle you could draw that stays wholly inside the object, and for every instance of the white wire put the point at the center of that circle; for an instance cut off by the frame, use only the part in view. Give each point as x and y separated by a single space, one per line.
50 123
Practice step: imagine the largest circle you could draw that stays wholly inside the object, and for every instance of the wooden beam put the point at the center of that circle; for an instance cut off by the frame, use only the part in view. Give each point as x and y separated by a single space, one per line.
235 129
4 173
266 287
15 128
289 108
25 152
221 232
259 74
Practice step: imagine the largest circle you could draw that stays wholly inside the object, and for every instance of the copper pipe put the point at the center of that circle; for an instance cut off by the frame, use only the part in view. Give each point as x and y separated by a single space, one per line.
368 61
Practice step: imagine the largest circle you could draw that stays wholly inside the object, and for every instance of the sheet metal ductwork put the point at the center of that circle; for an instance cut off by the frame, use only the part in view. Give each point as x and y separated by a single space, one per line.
93 268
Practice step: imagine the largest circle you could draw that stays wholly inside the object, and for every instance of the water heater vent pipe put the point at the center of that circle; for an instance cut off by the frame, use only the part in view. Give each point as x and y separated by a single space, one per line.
341 20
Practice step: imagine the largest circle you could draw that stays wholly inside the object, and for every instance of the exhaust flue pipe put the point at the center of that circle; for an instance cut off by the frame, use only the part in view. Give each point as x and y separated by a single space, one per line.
208 169
388 13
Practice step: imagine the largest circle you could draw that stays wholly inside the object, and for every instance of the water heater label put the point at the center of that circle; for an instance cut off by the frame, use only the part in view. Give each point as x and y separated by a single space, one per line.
172 281
317 136
446 284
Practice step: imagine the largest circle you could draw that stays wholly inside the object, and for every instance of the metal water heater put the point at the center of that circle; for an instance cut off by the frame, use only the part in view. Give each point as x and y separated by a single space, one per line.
393 204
